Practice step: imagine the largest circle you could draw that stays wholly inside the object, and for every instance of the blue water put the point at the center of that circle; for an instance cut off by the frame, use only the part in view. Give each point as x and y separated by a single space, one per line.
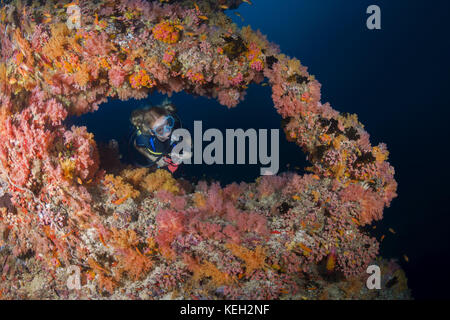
395 79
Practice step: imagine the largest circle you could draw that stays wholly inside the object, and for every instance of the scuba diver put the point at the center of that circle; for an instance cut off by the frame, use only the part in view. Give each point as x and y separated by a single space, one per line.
153 136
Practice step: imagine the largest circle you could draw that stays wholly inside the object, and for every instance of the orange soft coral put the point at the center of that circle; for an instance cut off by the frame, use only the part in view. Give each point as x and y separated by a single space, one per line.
208 270
253 259
55 47
166 31
141 79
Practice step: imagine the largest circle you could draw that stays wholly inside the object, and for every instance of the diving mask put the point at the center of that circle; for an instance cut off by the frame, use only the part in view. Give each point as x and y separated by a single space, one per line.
164 127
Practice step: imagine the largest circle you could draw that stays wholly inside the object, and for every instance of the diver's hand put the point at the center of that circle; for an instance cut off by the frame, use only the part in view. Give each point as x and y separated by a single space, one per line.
178 158
161 163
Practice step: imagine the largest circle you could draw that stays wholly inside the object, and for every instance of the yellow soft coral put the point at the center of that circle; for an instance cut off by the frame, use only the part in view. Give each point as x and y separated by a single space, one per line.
250 36
82 76
338 140
3 76
350 120
160 180
122 189
68 167
123 238
294 67
134 176
199 200
380 155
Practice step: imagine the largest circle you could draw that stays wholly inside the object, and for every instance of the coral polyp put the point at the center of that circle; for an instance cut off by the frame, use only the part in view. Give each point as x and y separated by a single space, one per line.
137 234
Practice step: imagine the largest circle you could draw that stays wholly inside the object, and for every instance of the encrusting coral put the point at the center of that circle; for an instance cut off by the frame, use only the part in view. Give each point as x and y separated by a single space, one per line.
140 234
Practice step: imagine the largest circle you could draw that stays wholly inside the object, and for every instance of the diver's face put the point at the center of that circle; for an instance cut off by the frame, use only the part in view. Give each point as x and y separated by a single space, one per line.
157 125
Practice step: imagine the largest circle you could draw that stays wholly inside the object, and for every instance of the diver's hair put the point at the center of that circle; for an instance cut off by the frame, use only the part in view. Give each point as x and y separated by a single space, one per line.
144 118
168 105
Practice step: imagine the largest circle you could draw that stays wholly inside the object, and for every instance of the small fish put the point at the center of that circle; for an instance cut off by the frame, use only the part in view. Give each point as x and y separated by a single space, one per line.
79 180
203 17
406 258
265 84
224 7
305 248
391 230
239 15
275 232
120 200
248 1
102 240
196 6
48 15
382 237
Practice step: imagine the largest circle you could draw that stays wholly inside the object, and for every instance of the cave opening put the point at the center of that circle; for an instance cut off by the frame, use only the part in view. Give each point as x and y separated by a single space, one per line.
112 129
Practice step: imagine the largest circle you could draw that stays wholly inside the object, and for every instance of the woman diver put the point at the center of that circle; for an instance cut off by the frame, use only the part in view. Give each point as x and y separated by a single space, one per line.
153 135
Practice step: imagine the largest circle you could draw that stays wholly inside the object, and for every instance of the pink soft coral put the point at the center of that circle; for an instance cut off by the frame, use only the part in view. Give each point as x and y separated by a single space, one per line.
371 204
116 76
87 158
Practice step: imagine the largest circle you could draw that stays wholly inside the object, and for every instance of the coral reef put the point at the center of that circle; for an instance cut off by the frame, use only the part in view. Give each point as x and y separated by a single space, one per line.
145 235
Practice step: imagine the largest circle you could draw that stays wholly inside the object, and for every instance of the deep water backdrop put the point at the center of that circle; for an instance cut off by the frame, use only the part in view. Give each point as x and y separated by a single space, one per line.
396 80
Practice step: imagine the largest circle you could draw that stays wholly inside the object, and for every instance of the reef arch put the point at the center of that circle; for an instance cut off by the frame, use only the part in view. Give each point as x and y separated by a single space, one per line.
127 228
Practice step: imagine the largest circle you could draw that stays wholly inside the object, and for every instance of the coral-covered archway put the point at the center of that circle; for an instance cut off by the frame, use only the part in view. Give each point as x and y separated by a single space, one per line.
139 227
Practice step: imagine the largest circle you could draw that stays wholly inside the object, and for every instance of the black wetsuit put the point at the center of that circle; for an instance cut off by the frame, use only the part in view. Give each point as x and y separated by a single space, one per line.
153 145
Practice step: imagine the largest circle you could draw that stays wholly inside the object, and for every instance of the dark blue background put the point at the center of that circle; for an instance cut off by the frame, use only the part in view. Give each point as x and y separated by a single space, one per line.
396 80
